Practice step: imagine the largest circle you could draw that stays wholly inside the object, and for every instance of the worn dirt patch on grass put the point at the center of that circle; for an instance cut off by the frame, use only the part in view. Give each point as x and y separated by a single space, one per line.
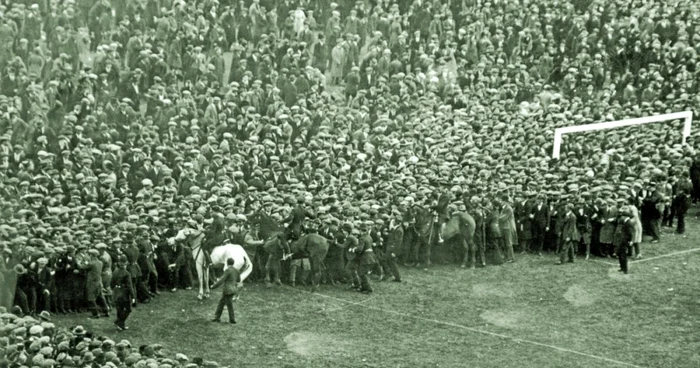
508 319
311 344
489 290
579 297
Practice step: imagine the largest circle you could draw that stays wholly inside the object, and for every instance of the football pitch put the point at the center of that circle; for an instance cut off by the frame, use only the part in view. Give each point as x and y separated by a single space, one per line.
531 313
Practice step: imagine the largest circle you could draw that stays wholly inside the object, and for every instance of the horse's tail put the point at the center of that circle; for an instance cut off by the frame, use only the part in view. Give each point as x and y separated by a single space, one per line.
246 264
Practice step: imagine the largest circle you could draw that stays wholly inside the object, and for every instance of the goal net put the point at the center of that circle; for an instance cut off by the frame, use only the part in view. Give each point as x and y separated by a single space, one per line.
686 116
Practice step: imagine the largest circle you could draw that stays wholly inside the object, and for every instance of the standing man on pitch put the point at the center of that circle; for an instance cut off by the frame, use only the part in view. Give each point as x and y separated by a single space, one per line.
230 281
365 251
94 285
540 223
353 261
624 232
124 292
394 245
524 222
569 235
506 222
583 214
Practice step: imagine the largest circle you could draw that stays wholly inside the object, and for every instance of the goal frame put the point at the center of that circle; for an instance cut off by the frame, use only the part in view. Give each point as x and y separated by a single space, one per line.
687 116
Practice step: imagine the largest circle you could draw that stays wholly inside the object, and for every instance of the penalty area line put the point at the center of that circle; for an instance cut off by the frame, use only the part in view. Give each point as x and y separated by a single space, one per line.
665 255
475 330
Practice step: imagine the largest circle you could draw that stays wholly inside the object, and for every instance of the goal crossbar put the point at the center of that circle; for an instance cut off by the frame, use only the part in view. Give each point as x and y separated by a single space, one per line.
687 117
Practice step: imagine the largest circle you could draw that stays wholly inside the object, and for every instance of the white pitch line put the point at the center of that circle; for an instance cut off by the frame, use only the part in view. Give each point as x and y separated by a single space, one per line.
358 303
666 255
476 330
601 262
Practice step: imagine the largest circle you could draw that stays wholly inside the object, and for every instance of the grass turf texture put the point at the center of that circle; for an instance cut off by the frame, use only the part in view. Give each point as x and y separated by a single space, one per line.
647 318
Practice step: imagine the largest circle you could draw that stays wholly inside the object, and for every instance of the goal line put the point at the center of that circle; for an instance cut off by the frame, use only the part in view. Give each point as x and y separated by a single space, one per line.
687 116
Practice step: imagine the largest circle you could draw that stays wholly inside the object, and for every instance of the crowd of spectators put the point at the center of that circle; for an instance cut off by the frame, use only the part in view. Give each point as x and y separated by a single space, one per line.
122 121
38 342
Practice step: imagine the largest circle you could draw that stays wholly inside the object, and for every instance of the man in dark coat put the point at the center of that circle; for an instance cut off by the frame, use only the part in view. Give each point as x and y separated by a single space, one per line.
598 214
650 213
540 224
478 210
133 254
146 262
394 244
352 83
289 91
353 261
622 240
695 178
320 54
524 223
65 265
583 214
334 263
229 281
569 234
124 292
368 78
681 204
295 222
45 283
367 258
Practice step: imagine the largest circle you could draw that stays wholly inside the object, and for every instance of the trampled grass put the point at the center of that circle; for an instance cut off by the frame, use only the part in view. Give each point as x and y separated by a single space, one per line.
531 313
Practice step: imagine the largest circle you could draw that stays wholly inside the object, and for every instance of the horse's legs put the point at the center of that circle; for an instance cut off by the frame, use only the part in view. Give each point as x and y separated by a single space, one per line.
417 245
272 267
277 269
207 291
200 279
268 265
428 246
315 273
471 251
482 251
465 247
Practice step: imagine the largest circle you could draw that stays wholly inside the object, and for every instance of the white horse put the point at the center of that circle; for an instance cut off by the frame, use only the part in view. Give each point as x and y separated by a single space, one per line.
218 258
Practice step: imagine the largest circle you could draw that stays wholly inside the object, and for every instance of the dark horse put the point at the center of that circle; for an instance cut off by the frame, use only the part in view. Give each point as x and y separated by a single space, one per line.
313 246
460 226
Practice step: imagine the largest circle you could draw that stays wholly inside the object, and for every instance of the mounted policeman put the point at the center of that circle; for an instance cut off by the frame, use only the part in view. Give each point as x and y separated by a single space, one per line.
295 223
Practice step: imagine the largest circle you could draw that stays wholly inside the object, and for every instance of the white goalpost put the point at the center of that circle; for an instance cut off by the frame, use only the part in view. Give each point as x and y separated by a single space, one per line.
687 116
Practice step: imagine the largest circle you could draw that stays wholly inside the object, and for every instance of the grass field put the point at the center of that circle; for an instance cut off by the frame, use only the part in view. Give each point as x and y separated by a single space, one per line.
531 313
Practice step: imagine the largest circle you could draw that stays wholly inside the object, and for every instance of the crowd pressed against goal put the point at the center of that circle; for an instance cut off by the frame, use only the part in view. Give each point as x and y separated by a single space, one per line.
146 147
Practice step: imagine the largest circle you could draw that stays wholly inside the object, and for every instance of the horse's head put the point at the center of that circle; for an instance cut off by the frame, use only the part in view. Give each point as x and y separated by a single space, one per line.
190 237
182 235
267 226
255 217
422 219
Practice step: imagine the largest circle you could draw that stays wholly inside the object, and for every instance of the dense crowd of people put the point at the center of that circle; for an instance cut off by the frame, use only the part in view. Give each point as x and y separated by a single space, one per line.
38 342
123 122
